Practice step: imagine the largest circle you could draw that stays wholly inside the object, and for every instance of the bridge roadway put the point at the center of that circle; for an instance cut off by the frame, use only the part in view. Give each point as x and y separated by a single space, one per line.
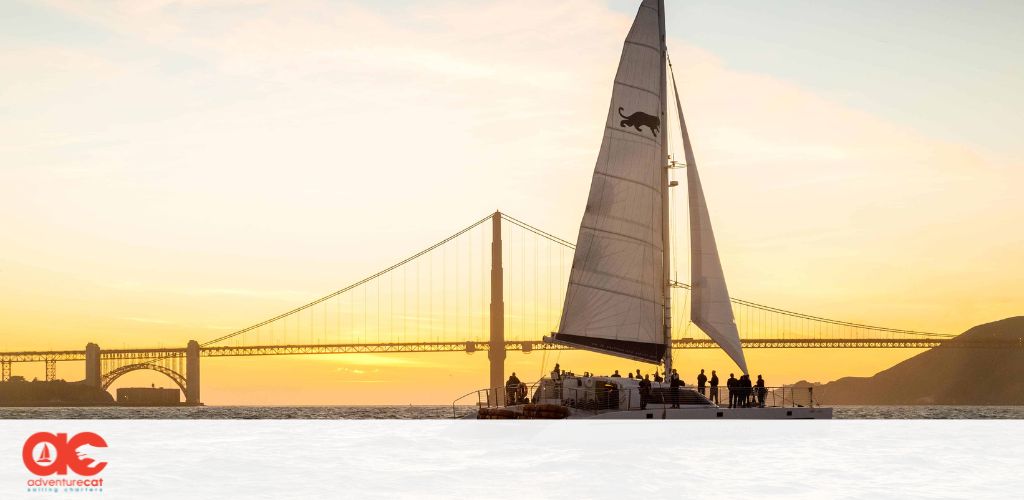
143 354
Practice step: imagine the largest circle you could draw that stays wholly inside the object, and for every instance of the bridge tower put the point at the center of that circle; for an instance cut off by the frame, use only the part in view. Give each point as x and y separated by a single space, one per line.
93 368
496 351
192 373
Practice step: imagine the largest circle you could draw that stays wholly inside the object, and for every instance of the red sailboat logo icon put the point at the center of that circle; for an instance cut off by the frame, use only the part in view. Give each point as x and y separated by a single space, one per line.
44 455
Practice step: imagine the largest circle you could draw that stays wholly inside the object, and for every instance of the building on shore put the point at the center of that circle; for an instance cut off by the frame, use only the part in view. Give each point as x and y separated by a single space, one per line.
148 396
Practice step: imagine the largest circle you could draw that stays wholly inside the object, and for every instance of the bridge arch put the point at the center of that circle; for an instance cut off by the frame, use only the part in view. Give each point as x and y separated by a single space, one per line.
111 376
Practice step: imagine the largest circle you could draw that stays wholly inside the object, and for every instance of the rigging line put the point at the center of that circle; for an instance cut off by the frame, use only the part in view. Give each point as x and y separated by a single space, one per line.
353 285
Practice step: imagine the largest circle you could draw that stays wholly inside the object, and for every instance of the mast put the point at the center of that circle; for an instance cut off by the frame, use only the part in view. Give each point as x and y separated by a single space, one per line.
665 227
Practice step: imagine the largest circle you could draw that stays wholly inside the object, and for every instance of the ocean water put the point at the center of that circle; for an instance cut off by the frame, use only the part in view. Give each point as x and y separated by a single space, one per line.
537 459
444 412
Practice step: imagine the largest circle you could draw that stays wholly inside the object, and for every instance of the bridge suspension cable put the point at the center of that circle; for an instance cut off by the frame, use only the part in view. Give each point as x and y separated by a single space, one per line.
747 303
349 287
676 284
534 289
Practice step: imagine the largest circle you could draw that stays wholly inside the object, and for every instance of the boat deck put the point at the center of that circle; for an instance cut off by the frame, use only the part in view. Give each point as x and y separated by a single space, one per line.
621 398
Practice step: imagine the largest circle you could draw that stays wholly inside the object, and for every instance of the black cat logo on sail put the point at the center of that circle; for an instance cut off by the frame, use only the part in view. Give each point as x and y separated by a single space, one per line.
640 119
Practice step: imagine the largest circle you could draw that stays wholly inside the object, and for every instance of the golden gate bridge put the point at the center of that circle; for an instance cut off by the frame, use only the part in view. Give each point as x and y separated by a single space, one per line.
494 286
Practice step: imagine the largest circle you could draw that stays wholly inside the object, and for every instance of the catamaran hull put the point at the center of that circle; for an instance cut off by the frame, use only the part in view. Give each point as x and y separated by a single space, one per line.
709 413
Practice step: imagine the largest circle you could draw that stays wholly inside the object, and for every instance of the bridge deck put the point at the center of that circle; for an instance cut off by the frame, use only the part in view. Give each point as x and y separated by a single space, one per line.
472 346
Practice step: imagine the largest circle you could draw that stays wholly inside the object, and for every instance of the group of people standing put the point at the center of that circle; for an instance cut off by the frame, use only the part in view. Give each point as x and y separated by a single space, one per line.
743 394
645 387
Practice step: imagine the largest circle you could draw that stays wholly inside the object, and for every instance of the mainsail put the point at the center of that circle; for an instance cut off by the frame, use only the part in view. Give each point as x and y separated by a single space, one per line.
615 300
710 308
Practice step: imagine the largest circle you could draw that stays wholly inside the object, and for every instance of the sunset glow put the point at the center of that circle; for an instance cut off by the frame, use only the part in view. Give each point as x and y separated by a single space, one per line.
176 170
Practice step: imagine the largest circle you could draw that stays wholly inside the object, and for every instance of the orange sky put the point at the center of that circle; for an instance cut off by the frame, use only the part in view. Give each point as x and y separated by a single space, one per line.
163 179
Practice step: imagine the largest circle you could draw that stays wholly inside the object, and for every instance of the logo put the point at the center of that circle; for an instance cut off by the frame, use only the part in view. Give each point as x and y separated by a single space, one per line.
640 119
45 454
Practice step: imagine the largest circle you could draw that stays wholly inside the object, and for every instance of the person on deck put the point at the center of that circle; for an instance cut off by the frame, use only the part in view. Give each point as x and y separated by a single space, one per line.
701 380
616 374
645 392
674 383
638 376
511 389
733 390
761 391
631 375
714 387
745 390
657 378
556 373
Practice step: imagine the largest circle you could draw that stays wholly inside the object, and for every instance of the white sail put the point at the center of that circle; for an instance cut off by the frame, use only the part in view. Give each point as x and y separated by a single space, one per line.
710 307
614 302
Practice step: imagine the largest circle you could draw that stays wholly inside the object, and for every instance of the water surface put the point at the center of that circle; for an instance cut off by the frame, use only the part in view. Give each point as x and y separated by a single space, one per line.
445 411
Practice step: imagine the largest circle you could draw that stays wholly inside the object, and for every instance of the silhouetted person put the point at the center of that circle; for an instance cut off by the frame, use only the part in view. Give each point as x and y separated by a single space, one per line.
638 376
645 392
714 387
761 391
616 374
631 375
701 380
746 389
733 390
657 378
556 373
511 389
674 383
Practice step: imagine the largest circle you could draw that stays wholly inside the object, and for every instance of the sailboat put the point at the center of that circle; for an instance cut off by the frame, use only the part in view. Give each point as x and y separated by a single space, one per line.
44 455
618 300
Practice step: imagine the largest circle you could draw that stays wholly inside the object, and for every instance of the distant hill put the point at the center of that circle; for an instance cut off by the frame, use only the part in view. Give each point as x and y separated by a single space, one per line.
946 375
19 392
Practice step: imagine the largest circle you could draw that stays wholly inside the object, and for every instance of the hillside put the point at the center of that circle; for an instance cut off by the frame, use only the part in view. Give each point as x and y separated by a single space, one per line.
18 392
946 375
